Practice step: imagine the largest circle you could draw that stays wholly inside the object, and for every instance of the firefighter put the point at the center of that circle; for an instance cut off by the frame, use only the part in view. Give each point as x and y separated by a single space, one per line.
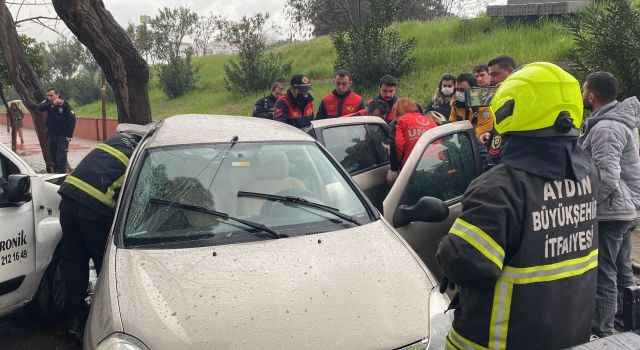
524 251
296 106
87 209
341 101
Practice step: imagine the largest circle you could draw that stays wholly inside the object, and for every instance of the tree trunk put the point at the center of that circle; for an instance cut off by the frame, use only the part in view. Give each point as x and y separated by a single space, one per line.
3 97
23 78
126 71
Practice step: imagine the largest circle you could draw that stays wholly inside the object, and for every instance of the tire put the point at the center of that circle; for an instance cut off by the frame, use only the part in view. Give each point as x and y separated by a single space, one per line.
48 304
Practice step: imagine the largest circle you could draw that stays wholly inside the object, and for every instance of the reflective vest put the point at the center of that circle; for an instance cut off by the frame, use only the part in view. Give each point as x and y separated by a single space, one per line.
481 118
334 106
524 252
96 181
286 110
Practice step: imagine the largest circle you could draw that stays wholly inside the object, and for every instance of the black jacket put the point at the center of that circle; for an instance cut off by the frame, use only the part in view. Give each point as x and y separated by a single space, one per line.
263 107
96 181
524 252
61 120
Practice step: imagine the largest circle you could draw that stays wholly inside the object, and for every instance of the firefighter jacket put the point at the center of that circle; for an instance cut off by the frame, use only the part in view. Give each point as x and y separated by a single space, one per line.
494 149
96 181
61 120
524 252
263 107
287 110
390 114
480 117
334 105
405 133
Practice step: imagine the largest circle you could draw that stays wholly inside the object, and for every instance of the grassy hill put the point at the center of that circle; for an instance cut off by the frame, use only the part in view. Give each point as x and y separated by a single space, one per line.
447 45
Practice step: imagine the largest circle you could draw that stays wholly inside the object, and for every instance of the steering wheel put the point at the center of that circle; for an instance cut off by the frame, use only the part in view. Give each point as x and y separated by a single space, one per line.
271 208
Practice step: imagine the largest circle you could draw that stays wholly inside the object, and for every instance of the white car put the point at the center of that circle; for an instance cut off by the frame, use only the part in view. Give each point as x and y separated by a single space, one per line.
243 233
30 233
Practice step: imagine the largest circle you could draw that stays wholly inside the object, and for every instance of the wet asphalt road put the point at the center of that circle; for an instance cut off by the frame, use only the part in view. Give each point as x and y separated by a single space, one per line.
21 331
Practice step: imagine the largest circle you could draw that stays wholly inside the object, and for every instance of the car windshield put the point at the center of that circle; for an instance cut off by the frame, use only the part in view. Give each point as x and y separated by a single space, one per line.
198 193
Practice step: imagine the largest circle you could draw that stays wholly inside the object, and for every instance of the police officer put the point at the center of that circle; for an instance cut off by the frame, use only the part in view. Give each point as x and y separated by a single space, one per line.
87 209
296 106
524 250
61 120
263 107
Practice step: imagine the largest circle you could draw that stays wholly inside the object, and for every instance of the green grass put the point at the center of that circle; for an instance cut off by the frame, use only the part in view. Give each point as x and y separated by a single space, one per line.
443 46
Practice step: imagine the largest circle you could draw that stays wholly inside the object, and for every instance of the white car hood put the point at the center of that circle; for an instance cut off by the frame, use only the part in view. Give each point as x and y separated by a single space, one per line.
360 288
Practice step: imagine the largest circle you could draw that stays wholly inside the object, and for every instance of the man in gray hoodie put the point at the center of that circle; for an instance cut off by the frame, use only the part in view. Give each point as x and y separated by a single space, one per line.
611 139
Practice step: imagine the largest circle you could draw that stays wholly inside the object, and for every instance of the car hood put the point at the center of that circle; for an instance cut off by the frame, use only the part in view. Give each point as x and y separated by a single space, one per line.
360 288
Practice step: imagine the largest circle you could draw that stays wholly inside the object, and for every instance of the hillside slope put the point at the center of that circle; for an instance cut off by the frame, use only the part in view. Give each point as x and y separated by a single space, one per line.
446 45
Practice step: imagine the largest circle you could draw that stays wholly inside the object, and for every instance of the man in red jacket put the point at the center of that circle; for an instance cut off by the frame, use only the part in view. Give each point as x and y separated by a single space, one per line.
296 106
341 101
406 130
388 95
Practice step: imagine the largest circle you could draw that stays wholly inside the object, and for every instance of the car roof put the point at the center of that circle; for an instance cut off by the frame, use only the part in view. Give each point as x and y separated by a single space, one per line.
348 121
201 128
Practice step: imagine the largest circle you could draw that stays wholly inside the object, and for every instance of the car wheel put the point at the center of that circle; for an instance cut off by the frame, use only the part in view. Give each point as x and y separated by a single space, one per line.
48 303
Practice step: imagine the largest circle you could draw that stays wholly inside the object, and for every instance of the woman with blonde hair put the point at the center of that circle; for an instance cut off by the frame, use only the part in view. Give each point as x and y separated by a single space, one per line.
406 130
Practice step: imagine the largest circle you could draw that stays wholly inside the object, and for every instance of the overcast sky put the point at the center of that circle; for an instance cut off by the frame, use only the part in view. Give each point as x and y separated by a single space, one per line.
125 11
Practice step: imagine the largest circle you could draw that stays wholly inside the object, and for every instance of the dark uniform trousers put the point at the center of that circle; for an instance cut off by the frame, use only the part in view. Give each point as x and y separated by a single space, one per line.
58 149
84 236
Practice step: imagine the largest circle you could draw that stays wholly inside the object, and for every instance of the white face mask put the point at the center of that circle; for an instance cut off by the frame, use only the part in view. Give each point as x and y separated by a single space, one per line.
447 91
460 96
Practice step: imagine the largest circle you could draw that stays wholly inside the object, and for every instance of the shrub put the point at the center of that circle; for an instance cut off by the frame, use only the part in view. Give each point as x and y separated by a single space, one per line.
178 76
255 69
607 37
371 48
85 88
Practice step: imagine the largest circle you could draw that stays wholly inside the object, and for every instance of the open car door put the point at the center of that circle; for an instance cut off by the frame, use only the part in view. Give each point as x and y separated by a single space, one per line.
442 164
361 146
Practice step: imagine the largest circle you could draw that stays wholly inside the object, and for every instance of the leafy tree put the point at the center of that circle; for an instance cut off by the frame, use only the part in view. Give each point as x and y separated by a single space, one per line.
203 33
63 58
326 16
169 27
36 53
371 48
255 69
607 37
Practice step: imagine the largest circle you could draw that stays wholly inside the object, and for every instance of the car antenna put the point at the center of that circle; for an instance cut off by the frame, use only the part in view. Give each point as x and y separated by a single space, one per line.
232 143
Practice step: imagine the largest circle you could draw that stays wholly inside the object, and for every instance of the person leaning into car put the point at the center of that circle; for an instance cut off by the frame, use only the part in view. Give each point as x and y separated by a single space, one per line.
524 250
87 208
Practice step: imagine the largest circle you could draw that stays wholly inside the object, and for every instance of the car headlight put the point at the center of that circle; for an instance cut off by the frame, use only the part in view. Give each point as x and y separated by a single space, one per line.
439 323
121 341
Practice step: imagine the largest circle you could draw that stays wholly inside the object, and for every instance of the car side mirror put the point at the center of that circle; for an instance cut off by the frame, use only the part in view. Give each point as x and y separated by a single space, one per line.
427 209
17 188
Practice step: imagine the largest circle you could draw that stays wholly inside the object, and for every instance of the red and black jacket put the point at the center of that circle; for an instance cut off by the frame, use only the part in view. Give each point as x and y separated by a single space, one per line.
334 105
405 133
390 115
286 110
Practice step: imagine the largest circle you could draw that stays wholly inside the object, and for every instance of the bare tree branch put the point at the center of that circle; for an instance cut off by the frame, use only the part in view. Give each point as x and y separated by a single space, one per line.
37 19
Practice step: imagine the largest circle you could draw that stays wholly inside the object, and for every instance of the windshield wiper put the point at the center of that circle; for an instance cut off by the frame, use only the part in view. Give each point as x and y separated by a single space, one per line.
201 209
300 201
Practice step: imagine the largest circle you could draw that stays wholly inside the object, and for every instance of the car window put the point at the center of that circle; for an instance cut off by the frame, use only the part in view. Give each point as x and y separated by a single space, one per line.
444 170
210 176
357 147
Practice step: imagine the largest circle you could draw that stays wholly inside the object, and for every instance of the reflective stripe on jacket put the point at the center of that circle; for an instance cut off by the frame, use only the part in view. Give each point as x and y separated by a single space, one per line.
96 181
524 252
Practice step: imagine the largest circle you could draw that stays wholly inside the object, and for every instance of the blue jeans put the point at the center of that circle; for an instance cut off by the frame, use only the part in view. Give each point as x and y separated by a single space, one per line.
58 149
614 273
